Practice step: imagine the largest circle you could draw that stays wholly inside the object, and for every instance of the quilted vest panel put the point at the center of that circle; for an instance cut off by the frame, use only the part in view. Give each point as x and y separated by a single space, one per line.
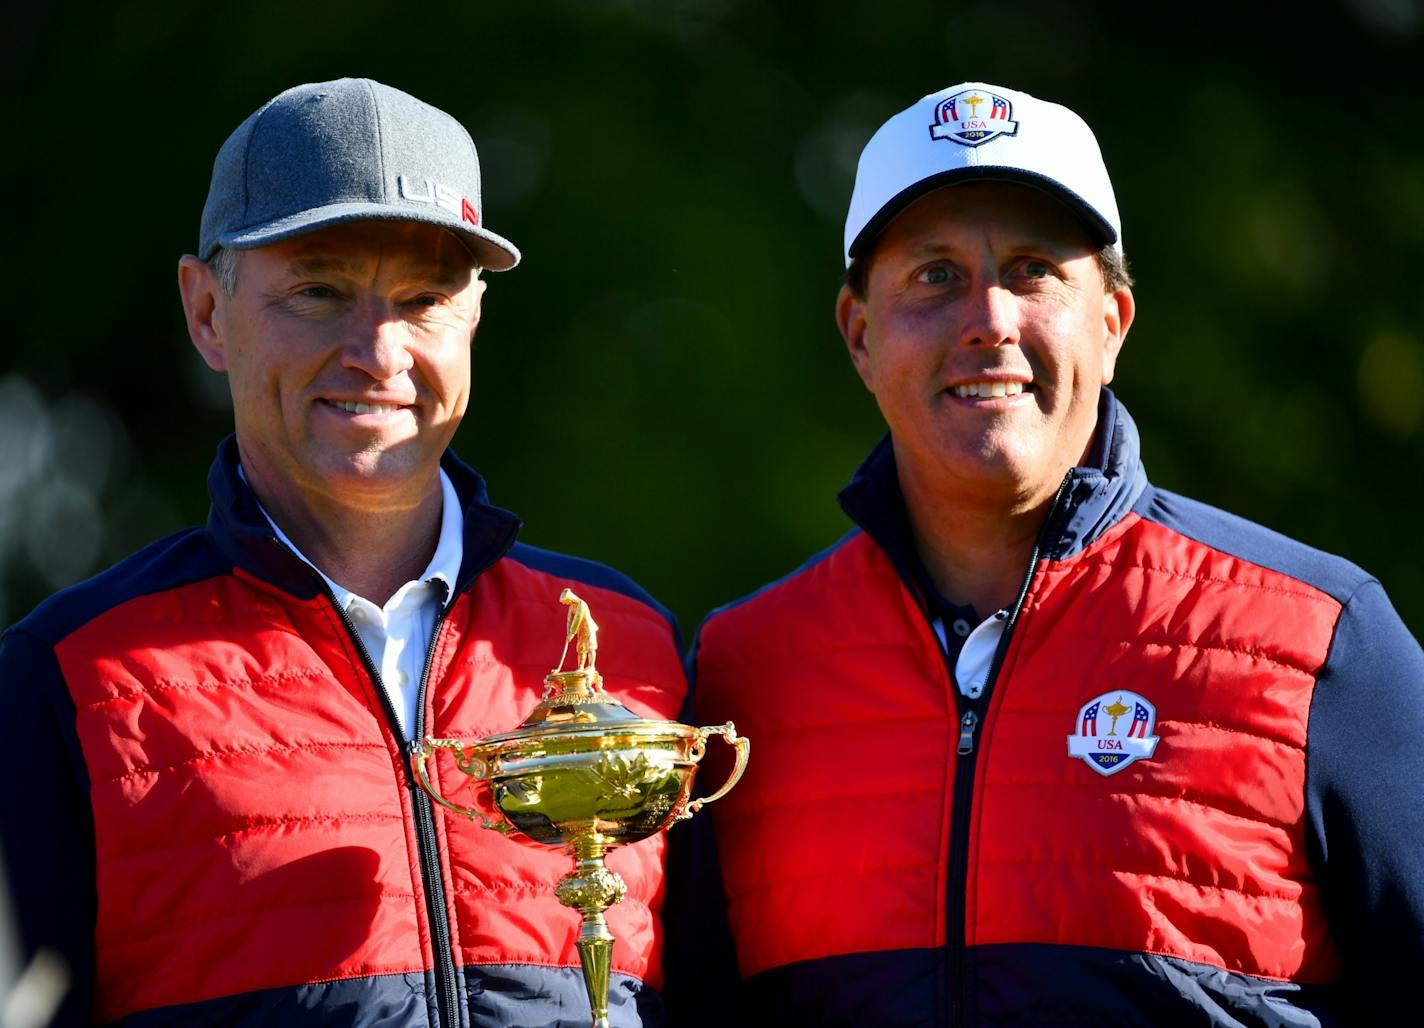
837 841
1198 852
252 808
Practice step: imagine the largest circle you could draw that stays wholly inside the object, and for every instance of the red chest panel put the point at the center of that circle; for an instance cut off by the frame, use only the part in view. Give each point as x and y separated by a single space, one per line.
839 842
252 811
836 838
1198 852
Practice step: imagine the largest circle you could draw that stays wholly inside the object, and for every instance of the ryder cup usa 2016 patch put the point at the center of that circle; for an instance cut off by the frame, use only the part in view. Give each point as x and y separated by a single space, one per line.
1114 730
973 116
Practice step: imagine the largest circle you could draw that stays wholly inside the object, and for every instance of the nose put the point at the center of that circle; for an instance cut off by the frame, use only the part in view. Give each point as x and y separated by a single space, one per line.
990 316
379 344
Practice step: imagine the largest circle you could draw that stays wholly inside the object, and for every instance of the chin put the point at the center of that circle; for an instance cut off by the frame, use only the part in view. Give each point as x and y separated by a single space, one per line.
1000 473
376 473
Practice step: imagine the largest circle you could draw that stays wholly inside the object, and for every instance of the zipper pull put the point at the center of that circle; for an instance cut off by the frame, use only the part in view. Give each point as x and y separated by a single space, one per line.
967 724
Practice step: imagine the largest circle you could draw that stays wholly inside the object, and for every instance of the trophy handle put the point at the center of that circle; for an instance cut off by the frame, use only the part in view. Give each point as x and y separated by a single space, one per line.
740 743
470 764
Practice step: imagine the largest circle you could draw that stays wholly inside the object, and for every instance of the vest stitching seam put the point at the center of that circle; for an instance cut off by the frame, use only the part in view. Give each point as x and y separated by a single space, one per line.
1167 643
162 685
246 751
1313 596
208 916
1117 869
255 824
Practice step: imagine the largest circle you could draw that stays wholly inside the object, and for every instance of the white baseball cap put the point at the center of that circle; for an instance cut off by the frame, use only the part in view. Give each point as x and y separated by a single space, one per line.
978 131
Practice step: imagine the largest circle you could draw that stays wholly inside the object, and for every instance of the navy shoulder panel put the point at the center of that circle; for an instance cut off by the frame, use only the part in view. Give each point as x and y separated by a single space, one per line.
177 560
590 571
1234 535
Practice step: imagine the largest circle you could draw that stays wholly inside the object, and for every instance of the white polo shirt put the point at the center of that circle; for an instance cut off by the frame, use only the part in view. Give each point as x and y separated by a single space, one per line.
976 655
397 635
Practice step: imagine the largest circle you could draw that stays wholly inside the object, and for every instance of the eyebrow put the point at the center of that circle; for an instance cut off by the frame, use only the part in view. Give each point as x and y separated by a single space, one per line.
433 271
931 249
316 265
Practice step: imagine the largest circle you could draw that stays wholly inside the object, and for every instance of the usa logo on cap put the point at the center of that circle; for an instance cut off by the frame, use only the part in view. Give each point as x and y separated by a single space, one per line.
973 116
1114 730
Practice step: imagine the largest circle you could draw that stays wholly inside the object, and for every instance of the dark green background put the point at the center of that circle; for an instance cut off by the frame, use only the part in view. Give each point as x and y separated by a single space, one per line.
660 385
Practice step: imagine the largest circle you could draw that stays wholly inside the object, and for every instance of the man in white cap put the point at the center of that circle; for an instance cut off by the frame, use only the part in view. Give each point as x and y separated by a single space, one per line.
209 814
1039 743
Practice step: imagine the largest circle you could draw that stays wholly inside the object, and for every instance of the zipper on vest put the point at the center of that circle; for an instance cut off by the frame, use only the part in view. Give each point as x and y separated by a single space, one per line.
967 724
446 993
446 997
963 803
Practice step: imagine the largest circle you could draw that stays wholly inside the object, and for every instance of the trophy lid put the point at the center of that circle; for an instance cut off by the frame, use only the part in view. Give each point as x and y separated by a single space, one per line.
575 699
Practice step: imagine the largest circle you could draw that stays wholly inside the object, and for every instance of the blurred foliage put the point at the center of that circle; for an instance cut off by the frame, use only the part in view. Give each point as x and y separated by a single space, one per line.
675 172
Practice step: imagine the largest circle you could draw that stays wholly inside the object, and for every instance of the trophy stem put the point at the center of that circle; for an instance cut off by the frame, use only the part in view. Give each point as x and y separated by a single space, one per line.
590 888
595 946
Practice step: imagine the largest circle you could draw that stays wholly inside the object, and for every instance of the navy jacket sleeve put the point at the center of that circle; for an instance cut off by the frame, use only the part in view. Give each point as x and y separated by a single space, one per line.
1365 798
46 828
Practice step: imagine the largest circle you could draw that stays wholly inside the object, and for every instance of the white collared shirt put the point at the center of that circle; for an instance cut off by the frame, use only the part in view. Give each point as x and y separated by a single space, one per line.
398 635
976 656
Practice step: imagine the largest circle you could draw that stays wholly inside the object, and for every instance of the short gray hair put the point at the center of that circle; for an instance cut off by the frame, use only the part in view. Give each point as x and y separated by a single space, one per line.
1113 264
223 264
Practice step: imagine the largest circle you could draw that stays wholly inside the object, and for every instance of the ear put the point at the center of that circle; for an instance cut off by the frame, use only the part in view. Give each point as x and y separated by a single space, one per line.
1118 310
850 319
202 303
478 289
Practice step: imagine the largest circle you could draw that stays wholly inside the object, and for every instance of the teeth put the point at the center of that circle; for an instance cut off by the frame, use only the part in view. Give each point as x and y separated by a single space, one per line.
988 389
366 408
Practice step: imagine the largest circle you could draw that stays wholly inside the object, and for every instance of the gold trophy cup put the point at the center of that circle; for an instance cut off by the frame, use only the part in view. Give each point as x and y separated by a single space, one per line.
586 773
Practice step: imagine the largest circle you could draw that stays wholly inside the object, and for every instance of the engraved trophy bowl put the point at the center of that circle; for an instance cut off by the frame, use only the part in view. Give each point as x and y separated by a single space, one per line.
585 773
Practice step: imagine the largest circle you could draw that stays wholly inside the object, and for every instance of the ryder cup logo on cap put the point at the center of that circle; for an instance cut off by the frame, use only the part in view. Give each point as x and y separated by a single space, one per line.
978 131
348 150
1113 731
971 117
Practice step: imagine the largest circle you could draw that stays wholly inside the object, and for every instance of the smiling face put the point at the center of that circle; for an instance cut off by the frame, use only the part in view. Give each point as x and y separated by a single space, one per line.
347 351
985 333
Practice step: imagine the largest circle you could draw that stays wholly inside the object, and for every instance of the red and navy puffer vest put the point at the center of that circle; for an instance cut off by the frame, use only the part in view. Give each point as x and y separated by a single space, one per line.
898 854
218 823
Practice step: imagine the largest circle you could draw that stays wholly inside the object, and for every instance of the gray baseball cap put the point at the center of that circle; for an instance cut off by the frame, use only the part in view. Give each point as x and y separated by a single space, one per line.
348 150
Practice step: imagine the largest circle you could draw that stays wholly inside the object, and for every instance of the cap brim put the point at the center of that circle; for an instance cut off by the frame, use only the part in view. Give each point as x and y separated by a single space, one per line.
1099 228
491 251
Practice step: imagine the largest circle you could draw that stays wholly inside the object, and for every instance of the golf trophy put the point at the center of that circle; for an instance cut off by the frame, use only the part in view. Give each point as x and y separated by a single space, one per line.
586 773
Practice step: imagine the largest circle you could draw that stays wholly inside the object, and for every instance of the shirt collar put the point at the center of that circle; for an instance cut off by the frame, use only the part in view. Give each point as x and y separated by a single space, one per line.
450 549
444 564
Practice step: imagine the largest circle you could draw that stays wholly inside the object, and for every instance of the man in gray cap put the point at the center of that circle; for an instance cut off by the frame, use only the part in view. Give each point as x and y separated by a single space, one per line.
1038 742
210 815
